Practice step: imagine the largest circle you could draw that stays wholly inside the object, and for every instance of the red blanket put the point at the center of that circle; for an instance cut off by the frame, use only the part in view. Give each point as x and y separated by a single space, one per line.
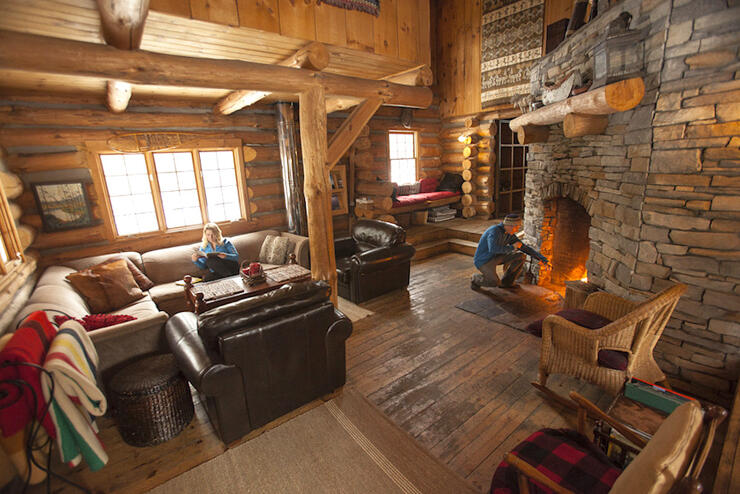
28 344
402 201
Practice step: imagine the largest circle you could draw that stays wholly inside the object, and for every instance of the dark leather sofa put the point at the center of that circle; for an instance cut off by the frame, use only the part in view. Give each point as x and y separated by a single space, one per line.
375 260
257 359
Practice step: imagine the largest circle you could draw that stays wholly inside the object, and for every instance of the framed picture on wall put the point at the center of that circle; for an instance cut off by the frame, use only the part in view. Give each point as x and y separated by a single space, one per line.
62 205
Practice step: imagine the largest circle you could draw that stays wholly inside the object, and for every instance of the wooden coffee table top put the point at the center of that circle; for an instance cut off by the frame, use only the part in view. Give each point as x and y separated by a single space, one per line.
210 294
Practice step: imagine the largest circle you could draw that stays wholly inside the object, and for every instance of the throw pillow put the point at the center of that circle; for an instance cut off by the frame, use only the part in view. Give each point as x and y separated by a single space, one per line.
275 250
451 182
405 190
612 359
106 287
427 185
96 321
141 279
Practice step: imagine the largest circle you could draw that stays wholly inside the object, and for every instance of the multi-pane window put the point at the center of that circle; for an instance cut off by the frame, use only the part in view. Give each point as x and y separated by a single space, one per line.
402 152
158 191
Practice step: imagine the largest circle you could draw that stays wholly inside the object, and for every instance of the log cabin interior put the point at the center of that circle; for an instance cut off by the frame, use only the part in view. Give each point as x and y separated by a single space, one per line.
379 140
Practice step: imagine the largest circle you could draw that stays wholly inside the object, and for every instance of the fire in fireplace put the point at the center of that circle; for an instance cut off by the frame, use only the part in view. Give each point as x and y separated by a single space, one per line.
565 242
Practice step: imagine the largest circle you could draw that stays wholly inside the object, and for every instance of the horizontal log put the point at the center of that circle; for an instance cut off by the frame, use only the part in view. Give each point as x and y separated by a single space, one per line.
487 143
467 164
269 204
266 154
387 217
619 96
260 190
470 151
384 203
483 207
471 122
46 161
467 175
485 157
15 211
374 188
482 191
362 143
253 172
12 184
451 146
484 169
249 153
80 236
468 211
40 53
452 158
467 187
429 151
82 117
369 175
466 200
528 134
481 180
431 173
452 168
578 125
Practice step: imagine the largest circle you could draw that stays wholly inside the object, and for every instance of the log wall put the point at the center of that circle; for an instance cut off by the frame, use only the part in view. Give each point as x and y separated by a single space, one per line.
402 30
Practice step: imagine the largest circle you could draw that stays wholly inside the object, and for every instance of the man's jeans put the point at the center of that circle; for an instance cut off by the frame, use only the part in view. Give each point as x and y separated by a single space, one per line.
513 263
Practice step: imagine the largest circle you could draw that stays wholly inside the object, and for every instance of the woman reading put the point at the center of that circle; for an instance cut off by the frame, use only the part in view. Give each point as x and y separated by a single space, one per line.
217 254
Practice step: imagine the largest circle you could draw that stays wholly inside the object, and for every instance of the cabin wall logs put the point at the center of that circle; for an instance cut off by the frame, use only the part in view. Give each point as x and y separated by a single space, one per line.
39 138
469 149
402 30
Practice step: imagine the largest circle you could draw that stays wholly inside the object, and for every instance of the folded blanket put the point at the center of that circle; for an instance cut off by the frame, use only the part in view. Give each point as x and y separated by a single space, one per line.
23 401
75 397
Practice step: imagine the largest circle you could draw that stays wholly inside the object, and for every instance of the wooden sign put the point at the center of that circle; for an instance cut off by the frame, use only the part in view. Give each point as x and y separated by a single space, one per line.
142 142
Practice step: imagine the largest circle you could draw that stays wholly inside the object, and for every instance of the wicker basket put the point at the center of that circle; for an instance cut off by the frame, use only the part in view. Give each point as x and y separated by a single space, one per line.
151 400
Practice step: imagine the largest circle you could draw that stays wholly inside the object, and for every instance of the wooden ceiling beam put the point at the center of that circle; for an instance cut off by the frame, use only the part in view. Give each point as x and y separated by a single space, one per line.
119 94
313 56
350 129
417 76
123 22
53 55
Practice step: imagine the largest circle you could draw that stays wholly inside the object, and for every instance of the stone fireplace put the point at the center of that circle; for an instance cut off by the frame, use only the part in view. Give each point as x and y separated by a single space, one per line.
655 198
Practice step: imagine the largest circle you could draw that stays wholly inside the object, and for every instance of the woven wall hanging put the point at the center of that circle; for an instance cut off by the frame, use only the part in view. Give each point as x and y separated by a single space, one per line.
369 6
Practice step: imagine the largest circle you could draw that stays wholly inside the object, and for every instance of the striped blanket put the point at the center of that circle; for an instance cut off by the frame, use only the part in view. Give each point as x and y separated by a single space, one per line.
76 399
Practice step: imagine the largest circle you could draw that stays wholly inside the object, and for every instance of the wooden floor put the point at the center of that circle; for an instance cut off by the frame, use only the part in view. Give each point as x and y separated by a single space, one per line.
457 382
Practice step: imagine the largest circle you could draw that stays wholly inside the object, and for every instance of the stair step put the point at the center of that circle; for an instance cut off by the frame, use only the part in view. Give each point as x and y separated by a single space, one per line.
422 237
430 249
462 246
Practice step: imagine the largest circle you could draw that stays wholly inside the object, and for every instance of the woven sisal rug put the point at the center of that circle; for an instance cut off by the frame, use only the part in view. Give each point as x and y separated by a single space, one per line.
344 445
353 311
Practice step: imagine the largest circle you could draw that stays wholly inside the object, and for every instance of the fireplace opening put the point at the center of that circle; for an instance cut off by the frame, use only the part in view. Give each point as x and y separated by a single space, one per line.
565 242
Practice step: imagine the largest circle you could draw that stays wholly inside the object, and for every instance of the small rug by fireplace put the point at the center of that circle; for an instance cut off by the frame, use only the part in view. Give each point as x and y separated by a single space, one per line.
513 308
511 40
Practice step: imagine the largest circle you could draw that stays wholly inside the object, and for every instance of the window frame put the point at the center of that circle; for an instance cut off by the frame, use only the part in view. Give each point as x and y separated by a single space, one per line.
9 238
97 148
417 165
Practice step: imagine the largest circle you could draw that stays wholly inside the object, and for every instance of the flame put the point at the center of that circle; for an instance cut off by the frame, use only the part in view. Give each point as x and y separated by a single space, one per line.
585 278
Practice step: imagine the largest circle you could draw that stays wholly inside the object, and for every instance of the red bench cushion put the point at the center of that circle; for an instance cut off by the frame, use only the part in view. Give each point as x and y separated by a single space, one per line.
402 201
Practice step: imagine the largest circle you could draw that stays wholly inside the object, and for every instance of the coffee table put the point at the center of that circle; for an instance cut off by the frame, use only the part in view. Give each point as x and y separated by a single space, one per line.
207 295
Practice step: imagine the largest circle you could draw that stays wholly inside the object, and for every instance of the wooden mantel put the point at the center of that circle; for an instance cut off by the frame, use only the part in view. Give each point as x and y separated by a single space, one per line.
612 98
53 55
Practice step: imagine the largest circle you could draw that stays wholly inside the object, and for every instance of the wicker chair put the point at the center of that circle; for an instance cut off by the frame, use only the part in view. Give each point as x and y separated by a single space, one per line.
635 329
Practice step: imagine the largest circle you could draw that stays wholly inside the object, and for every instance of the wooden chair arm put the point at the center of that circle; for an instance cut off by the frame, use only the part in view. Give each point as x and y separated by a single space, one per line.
526 471
608 305
595 412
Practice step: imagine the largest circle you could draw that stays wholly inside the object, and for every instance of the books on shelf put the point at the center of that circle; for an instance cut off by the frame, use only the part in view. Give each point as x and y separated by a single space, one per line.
441 213
654 396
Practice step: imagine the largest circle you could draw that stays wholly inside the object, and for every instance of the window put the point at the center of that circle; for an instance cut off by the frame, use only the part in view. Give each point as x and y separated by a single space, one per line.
159 191
402 152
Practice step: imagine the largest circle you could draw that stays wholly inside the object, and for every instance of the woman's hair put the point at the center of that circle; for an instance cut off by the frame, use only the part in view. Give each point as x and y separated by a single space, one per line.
214 228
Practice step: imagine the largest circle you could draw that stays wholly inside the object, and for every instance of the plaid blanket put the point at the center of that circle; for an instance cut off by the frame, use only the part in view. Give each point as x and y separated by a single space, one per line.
565 456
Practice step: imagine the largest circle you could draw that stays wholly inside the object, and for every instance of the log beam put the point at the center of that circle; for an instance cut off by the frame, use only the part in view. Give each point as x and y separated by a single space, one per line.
578 124
23 51
313 56
123 22
312 116
119 94
612 98
350 130
532 133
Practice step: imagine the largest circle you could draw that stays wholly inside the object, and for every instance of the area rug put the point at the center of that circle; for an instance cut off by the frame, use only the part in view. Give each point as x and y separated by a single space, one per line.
515 308
344 445
511 40
353 311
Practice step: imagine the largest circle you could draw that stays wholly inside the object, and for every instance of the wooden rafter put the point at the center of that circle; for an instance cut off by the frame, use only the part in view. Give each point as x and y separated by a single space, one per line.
350 130
40 53
313 56
417 76
123 22
119 94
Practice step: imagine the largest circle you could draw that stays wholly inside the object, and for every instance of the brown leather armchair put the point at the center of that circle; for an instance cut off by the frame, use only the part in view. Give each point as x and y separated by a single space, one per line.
257 359
375 260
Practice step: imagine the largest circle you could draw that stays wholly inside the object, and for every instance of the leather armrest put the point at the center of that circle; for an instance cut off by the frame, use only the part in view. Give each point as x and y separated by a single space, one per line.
207 376
336 335
375 259
344 247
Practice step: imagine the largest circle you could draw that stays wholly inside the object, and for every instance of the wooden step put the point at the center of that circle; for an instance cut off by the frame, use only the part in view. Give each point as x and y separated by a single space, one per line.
469 236
421 235
462 246
431 249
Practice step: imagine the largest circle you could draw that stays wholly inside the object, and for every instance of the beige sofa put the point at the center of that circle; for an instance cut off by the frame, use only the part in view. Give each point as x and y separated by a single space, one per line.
121 343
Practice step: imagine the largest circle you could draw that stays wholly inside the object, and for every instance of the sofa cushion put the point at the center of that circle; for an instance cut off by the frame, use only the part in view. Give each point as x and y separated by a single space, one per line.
140 278
421 198
249 244
140 309
92 322
275 250
428 185
451 181
86 262
171 263
106 287
378 233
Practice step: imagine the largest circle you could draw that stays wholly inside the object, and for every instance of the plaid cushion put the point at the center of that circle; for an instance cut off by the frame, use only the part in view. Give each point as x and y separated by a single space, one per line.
563 455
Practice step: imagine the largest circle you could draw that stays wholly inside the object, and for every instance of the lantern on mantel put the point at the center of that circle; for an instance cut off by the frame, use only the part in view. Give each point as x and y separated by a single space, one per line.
619 57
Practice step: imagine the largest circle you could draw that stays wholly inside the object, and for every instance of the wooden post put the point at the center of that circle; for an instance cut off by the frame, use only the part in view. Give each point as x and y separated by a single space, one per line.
577 124
350 130
119 94
316 187
123 22
532 133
